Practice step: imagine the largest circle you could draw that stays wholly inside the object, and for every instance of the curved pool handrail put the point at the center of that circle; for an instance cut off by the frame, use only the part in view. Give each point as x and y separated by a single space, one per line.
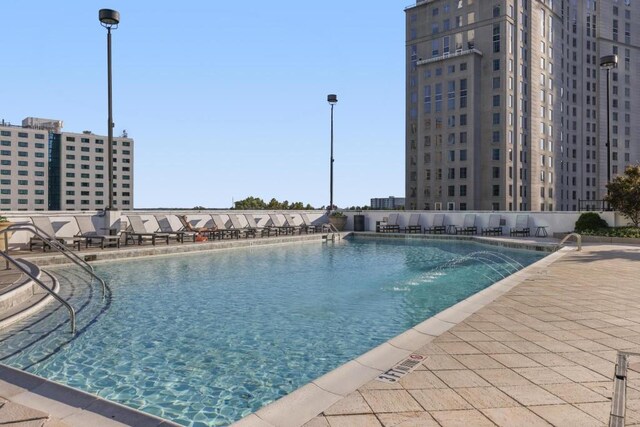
578 240
55 244
72 313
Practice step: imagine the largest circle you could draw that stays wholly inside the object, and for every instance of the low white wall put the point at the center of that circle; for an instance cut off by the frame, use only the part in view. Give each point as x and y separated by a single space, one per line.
65 225
556 222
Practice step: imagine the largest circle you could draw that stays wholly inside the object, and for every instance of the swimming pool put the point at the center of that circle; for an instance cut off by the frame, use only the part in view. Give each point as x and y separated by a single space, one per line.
205 339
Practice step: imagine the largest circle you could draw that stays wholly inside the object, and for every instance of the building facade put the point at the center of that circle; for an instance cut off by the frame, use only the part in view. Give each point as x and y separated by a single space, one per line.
387 203
506 102
43 168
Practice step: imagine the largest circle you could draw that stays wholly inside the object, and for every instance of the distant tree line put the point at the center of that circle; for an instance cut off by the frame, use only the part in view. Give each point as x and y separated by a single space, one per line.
256 203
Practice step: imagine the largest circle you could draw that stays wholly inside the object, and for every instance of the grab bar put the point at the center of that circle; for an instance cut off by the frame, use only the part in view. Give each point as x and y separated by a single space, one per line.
51 292
53 243
578 240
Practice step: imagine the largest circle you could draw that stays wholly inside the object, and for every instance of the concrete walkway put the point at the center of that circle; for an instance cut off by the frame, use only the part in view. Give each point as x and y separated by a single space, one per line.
542 354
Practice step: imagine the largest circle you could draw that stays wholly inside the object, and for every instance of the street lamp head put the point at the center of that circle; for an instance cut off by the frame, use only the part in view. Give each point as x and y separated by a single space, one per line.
332 99
109 18
609 61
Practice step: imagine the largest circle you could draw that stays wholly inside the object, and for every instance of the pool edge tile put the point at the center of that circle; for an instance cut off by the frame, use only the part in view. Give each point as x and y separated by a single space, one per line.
411 340
382 357
251 421
298 407
346 378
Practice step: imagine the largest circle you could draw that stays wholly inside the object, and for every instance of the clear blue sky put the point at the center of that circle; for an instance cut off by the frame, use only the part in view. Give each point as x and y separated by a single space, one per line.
223 99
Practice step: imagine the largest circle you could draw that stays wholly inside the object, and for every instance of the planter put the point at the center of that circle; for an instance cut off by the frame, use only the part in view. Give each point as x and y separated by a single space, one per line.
338 222
4 225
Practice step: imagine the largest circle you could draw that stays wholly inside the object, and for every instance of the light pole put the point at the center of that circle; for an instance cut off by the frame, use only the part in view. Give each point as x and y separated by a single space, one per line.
332 100
109 19
608 62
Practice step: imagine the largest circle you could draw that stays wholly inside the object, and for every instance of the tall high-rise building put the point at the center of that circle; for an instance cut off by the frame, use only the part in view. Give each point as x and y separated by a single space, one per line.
43 168
506 105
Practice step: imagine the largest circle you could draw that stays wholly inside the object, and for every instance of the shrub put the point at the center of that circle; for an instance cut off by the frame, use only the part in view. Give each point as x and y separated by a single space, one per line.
3 219
590 221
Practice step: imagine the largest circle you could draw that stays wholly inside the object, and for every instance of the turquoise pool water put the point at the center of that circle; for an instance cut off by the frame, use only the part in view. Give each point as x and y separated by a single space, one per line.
205 339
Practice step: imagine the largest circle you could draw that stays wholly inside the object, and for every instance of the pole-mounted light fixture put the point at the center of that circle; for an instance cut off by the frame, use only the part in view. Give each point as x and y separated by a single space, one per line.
332 99
608 62
109 19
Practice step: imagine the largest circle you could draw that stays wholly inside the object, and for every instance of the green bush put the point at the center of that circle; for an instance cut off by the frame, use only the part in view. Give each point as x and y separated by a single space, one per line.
590 221
631 232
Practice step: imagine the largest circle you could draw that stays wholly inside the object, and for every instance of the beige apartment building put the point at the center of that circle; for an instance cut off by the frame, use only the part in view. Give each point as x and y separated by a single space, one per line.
506 102
43 168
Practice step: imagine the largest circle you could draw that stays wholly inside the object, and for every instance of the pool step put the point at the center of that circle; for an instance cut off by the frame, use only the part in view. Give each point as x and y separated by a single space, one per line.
25 297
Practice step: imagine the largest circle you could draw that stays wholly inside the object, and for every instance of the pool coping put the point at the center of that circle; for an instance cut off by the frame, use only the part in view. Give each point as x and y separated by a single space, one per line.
303 404
68 404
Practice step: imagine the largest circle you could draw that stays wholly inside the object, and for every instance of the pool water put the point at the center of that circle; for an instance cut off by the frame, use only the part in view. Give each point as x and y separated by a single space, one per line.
205 339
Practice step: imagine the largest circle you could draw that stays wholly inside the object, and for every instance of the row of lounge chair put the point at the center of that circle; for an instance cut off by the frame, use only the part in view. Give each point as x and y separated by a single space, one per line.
238 225
493 228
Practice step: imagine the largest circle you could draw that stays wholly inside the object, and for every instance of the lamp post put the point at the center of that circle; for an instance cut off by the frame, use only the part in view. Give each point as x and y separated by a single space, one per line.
609 62
109 19
332 100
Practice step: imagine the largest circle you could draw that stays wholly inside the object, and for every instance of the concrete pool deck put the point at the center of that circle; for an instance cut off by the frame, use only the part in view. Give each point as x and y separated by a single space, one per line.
539 348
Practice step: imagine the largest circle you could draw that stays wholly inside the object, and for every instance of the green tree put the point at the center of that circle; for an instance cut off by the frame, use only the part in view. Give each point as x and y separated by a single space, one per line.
255 203
624 193
250 203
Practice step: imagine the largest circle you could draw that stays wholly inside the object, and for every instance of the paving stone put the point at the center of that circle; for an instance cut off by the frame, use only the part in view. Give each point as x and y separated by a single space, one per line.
13 412
440 399
408 419
390 401
353 421
461 378
515 360
486 397
458 348
441 362
478 361
317 422
492 347
542 375
529 395
525 347
579 374
421 379
574 393
601 411
461 418
564 415
503 377
508 417
354 403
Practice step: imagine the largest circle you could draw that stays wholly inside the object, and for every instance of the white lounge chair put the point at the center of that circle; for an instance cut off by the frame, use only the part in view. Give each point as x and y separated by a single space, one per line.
88 232
522 226
469 225
438 226
165 226
414 224
223 230
493 228
237 225
44 226
391 226
253 222
139 233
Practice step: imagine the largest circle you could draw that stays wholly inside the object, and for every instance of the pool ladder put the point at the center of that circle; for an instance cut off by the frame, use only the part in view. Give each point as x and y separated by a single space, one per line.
56 245
333 232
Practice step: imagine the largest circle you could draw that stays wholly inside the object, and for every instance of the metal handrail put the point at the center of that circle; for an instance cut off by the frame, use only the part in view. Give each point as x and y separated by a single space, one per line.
578 240
51 292
53 243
